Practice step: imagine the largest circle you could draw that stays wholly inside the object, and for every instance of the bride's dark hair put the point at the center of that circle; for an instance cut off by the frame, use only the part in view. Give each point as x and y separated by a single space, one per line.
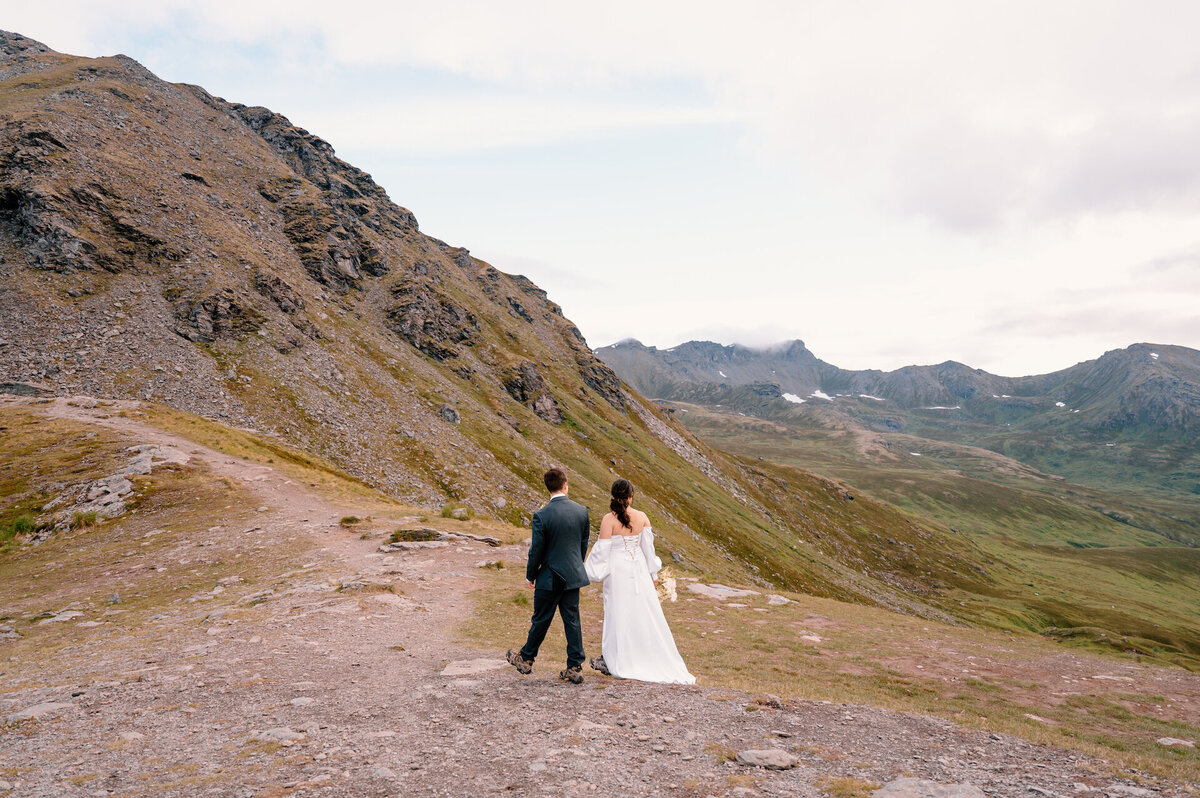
622 495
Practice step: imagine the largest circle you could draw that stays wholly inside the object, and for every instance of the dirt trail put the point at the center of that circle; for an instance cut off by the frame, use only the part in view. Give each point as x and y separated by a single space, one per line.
343 677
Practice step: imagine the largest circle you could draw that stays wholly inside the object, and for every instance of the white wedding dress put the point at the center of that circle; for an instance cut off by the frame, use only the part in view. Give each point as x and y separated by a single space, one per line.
636 643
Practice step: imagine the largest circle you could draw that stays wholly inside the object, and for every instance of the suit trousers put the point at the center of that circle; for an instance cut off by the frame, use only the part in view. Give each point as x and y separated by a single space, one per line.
545 602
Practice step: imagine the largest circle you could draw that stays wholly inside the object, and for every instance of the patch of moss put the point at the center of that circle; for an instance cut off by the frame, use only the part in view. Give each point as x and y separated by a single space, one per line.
413 535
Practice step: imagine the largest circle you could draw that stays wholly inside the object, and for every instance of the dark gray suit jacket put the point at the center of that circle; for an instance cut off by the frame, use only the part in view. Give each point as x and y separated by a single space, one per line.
560 538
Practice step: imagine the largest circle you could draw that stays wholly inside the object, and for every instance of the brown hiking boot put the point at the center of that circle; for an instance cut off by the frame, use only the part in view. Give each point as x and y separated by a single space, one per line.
517 661
598 664
572 675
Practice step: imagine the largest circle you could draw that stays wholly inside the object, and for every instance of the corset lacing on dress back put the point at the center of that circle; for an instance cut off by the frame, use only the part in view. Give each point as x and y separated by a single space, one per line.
631 546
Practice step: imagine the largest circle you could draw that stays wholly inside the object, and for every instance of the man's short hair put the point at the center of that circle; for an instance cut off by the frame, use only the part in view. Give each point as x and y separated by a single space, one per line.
555 478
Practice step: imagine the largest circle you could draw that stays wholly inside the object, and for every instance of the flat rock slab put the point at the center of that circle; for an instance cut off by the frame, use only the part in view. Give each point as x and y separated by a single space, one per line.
467 667
777 601
488 539
413 545
280 734
721 592
771 758
920 788
37 712
69 615
1175 742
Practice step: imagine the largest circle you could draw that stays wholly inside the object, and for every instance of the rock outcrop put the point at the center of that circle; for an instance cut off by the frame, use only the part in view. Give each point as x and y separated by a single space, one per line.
525 384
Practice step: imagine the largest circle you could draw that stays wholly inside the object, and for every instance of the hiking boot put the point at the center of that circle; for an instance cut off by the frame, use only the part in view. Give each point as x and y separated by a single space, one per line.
517 661
572 675
598 664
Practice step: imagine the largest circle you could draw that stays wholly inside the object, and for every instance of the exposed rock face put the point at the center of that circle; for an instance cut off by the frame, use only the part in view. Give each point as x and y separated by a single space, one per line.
84 228
601 379
279 292
429 320
332 228
525 384
223 314
106 497
333 248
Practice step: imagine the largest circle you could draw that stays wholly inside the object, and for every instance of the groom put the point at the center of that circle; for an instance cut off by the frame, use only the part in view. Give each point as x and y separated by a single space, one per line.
555 573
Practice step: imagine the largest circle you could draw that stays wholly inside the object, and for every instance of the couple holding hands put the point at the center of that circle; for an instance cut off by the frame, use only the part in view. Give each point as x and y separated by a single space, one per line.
637 643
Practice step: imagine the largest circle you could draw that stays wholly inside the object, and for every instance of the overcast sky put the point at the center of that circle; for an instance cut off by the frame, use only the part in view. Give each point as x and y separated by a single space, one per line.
1014 185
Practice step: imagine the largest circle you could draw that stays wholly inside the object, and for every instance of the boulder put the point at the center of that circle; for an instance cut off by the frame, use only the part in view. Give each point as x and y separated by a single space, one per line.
770 758
115 486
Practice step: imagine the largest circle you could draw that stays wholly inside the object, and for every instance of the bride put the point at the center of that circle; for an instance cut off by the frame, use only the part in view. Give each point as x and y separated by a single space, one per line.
637 643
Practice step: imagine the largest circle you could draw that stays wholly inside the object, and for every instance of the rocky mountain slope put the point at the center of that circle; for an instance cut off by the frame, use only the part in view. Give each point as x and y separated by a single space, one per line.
1145 398
162 244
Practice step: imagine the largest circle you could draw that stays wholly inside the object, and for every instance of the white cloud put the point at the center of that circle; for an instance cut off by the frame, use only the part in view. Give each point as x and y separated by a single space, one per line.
437 126
974 116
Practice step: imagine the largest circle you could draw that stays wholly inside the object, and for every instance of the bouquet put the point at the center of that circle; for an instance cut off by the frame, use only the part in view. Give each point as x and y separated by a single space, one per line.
666 585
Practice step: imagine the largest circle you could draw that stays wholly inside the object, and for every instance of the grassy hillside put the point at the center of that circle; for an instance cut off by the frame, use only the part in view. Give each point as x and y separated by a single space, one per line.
1069 561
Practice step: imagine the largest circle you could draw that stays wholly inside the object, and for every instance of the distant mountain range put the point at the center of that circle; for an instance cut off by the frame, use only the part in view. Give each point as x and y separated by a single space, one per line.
1145 398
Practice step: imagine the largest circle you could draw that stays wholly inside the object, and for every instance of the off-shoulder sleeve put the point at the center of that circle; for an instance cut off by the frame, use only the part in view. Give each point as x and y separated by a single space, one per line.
597 563
646 540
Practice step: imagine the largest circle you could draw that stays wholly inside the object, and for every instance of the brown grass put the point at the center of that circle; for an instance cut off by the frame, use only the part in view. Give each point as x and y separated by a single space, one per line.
846 787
